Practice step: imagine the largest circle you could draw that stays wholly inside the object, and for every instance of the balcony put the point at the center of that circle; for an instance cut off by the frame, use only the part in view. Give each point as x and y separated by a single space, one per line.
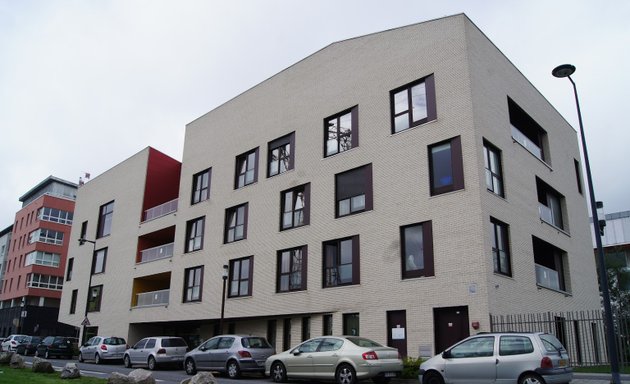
523 140
160 210
547 277
149 299
156 253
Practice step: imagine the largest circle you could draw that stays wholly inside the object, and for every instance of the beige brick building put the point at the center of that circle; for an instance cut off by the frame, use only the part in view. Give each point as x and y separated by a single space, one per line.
402 185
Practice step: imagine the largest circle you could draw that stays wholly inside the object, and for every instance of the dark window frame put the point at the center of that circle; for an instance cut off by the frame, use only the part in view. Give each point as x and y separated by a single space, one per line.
69 269
338 135
284 141
335 262
494 177
456 169
348 183
73 301
554 201
244 159
189 285
94 302
427 251
95 258
240 279
105 216
195 229
431 109
305 190
200 187
504 246
227 226
350 319
303 269
529 128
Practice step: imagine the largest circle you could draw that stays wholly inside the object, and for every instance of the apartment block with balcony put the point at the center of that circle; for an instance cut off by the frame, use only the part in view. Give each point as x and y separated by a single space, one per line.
402 186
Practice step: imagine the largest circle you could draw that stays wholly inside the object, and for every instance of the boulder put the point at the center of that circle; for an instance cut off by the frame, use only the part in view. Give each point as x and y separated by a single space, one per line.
5 357
119 378
42 366
141 376
201 378
70 371
17 361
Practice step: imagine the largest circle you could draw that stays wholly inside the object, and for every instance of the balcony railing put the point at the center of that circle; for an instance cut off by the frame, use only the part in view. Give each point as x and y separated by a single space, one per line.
547 277
148 299
156 253
523 140
160 210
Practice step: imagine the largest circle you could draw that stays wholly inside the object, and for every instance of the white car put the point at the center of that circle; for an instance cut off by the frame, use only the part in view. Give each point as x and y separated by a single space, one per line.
12 341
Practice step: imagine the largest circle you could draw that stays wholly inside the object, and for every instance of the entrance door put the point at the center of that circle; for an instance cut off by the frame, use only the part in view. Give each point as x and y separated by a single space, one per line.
397 331
451 326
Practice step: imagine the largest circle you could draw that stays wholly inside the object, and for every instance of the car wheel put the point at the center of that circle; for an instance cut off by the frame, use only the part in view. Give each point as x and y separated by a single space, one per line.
81 357
190 367
531 378
97 359
127 361
432 378
345 374
278 372
233 370
151 363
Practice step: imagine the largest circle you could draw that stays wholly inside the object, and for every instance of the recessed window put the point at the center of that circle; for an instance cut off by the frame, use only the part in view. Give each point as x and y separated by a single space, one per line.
292 269
353 191
69 270
446 166
281 155
500 247
494 174
341 132
241 273
94 300
194 234
527 132
193 282
578 175
98 261
551 265
246 168
417 250
201 186
294 205
235 223
73 301
106 213
341 262
351 324
413 104
550 204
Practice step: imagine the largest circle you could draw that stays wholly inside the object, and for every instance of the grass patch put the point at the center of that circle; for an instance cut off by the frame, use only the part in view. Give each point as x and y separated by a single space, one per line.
600 369
26 375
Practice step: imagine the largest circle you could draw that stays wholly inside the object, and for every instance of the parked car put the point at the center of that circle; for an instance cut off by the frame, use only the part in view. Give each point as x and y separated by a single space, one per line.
344 359
29 346
56 346
230 354
154 351
523 358
12 341
99 348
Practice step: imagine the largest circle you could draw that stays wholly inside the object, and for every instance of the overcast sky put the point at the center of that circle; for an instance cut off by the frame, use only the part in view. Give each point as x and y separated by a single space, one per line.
86 84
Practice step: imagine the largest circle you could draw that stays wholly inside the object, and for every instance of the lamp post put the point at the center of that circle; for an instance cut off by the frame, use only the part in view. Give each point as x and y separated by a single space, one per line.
85 321
224 275
566 70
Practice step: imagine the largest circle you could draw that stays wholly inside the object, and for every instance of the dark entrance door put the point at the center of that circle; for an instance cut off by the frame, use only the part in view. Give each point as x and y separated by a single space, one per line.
451 326
397 331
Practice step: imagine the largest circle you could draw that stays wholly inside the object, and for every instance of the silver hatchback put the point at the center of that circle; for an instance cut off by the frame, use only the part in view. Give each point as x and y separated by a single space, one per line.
99 348
155 351
231 354
523 358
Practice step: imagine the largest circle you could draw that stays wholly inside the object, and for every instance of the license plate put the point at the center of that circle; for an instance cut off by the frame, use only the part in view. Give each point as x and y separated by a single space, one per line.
389 374
562 363
62 347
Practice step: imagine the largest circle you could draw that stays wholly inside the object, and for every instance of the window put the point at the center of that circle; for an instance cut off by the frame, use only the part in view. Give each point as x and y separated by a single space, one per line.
70 267
281 155
235 223
413 104
83 230
295 206
341 262
494 175
417 250
341 132
55 215
194 234
550 204
578 175
73 301
353 191
475 347
193 281
44 235
526 131
445 166
201 186
94 300
98 263
47 259
105 220
241 272
306 328
246 169
327 325
550 263
515 345
351 324
292 269
36 280
500 247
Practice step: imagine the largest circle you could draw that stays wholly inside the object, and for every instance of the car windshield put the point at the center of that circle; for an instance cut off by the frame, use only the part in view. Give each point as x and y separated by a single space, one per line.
114 341
363 342
174 342
255 342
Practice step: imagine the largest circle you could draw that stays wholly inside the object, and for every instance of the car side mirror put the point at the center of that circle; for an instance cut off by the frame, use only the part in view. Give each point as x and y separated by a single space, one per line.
297 352
447 354
202 349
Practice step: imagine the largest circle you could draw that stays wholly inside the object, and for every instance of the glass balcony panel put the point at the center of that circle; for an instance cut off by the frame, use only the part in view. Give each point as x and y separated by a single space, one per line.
156 253
547 277
147 299
161 210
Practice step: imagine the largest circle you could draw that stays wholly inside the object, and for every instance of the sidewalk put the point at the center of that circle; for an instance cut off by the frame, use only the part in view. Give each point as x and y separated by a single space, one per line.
596 378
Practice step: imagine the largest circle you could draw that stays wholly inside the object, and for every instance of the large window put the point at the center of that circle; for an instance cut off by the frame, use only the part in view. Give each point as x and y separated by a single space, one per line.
341 262
44 235
341 132
55 215
194 234
292 269
550 263
193 282
351 324
281 155
98 263
494 174
94 300
235 223
241 273
413 104
500 247
550 204
246 168
446 166
353 191
417 250
36 280
294 205
201 186
527 132
105 220
47 259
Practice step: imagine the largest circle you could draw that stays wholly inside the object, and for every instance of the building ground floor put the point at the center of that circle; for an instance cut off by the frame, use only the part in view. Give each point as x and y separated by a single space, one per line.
33 320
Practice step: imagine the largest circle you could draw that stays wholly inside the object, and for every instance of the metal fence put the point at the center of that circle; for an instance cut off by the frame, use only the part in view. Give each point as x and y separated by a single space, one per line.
582 333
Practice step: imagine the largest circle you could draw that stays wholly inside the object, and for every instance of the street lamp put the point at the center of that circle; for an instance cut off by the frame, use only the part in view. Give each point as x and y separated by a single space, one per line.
85 321
224 275
566 70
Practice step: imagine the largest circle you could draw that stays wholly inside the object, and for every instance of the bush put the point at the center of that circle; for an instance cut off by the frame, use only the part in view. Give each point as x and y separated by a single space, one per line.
411 367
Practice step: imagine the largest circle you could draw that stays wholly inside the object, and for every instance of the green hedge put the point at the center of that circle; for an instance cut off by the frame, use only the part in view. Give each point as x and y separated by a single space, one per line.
411 367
